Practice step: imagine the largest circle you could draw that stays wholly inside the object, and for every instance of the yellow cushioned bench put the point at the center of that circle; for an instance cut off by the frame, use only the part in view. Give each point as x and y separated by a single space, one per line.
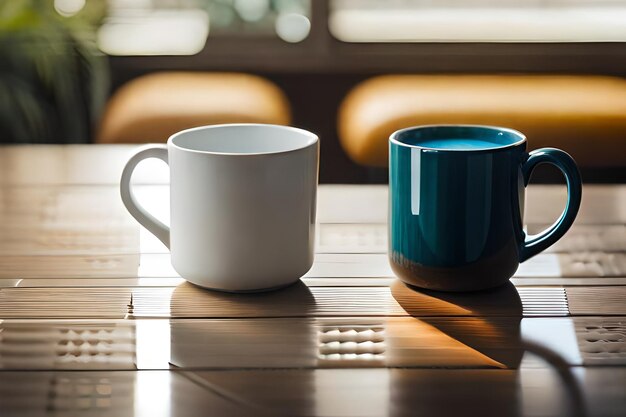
583 115
150 108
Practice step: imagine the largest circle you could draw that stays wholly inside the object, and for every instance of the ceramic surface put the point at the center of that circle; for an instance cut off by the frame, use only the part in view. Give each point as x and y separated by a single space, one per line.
457 203
243 201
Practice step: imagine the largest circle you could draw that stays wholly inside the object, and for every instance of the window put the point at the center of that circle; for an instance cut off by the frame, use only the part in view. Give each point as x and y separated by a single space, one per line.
181 27
478 20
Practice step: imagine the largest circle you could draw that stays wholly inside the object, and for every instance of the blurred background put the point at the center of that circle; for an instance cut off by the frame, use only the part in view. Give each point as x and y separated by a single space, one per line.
119 71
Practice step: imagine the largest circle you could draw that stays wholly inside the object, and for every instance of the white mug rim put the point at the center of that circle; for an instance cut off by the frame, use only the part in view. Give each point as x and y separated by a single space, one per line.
312 139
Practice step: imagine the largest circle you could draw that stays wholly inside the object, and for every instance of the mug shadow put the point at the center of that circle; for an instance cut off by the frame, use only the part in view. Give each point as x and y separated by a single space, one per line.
242 330
489 322
212 330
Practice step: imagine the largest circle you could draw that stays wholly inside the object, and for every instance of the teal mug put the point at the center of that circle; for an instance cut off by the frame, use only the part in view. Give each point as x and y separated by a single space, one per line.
456 207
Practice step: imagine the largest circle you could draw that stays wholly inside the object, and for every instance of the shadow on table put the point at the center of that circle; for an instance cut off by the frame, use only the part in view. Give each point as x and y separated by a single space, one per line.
263 352
489 322
241 330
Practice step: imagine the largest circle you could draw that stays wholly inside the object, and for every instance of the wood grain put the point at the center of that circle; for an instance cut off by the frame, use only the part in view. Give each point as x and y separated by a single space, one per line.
77 303
106 393
84 288
406 392
310 282
602 340
326 265
321 342
327 392
45 345
189 301
296 301
597 301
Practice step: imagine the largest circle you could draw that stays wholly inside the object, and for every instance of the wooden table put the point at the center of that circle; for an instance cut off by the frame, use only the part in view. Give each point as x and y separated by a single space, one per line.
94 321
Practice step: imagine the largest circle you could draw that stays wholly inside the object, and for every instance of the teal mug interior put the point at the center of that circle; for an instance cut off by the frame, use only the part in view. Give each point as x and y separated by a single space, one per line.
458 137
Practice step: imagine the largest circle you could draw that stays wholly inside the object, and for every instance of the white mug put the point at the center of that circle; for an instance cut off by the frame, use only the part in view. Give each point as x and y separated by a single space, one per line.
242 204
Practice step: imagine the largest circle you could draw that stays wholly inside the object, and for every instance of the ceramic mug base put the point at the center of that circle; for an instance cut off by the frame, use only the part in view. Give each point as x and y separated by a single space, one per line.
481 276
246 291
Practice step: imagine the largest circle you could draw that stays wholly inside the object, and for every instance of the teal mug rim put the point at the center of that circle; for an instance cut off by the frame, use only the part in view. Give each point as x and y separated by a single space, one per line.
394 138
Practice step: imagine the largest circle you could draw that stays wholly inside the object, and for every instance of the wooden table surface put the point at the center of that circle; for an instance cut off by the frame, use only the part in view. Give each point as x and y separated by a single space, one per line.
94 321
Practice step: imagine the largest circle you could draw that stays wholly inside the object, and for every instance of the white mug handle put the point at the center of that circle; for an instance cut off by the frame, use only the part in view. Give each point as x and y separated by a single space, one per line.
147 220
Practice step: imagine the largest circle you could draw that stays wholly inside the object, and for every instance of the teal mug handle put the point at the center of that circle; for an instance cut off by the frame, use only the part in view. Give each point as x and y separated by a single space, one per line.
534 244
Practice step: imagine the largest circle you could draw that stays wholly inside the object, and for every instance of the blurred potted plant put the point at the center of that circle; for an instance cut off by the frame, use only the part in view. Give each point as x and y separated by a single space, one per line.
53 79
